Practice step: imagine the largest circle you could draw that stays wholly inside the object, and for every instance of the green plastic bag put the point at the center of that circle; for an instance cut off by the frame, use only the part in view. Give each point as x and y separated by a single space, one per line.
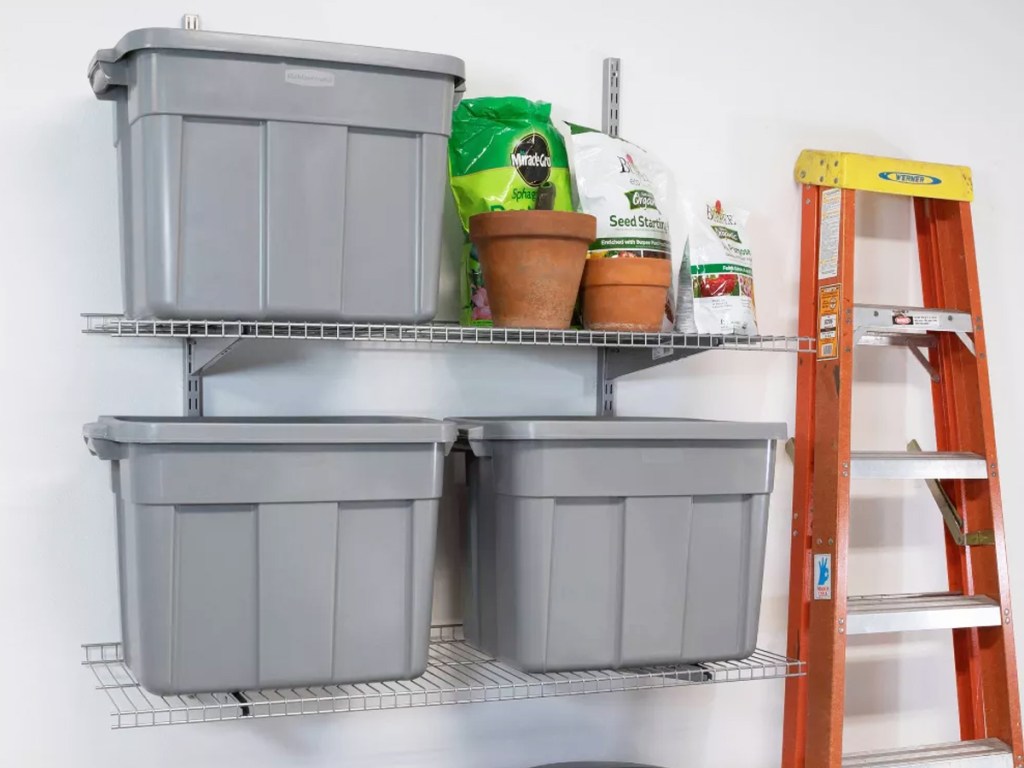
501 150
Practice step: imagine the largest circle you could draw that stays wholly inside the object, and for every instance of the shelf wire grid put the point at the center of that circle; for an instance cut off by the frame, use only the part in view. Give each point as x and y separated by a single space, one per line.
457 673
435 333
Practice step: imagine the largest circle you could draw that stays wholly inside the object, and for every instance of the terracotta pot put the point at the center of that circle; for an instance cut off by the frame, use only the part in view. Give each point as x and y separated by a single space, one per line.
532 263
625 294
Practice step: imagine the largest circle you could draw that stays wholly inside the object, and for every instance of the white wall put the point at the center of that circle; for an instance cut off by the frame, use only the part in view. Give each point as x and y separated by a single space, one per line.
727 93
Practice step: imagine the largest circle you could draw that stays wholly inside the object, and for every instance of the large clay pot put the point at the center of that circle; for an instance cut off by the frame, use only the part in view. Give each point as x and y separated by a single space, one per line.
625 294
532 263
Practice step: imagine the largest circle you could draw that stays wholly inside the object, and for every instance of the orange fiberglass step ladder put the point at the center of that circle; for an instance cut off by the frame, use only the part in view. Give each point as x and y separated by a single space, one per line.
947 335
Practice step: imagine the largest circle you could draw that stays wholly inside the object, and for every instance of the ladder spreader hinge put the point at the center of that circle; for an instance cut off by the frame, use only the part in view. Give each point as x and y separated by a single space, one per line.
954 523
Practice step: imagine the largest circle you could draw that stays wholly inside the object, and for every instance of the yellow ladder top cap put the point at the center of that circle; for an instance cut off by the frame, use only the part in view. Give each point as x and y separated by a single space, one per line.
888 175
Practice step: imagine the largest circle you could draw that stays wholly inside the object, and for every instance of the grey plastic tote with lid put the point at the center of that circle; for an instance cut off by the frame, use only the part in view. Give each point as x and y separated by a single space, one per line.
610 543
270 178
258 553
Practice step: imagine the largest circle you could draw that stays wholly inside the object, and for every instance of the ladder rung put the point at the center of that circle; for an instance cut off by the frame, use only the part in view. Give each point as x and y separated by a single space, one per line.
918 465
873 614
894 319
986 753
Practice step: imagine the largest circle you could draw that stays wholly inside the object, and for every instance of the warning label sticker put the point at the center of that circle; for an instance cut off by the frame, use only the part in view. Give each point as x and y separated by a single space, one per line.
828 243
828 322
823 577
902 317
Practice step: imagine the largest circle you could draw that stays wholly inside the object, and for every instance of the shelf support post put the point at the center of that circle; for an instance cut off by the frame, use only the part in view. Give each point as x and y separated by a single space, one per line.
605 385
610 95
193 382
199 356
610 126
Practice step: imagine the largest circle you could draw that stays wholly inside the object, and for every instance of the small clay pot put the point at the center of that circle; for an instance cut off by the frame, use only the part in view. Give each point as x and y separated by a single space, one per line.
625 294
532 263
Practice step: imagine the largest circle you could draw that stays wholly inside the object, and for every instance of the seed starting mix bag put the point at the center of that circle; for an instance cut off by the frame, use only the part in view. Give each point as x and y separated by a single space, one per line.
630 192
501 151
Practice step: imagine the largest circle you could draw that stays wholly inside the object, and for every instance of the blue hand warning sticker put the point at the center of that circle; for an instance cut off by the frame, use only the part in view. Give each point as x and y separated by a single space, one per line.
823 577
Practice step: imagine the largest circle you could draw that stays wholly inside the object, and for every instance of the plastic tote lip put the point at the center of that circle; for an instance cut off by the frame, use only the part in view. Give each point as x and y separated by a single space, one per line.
313 51
595 428
267 430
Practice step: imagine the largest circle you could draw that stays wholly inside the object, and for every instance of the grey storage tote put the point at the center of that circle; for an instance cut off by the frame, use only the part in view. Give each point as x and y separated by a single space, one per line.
268 178
609 543
261 553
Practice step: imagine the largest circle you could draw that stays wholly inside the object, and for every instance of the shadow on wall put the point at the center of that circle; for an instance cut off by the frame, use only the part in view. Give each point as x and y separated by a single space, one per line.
878 682
884 217
449 300
876 523
81 201
440 380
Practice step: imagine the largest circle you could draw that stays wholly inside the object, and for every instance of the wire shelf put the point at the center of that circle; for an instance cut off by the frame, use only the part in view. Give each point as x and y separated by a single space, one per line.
435 333
457 674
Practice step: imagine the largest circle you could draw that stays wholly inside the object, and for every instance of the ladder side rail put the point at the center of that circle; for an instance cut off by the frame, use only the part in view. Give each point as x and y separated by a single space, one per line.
966 650
795 718
831 493
981 501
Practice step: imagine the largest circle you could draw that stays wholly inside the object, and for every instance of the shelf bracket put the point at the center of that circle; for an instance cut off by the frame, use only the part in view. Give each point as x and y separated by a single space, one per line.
199 356
615 362
622 362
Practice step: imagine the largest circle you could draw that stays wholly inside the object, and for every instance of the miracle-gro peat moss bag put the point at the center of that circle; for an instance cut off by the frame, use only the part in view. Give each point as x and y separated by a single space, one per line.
502 150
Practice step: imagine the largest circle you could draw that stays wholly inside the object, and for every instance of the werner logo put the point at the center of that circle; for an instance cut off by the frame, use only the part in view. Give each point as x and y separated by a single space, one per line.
311 78
909 178
531 158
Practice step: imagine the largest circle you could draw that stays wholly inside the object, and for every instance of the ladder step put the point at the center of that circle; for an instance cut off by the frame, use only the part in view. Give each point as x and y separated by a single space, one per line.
892 319
873 614
985 753
917 465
